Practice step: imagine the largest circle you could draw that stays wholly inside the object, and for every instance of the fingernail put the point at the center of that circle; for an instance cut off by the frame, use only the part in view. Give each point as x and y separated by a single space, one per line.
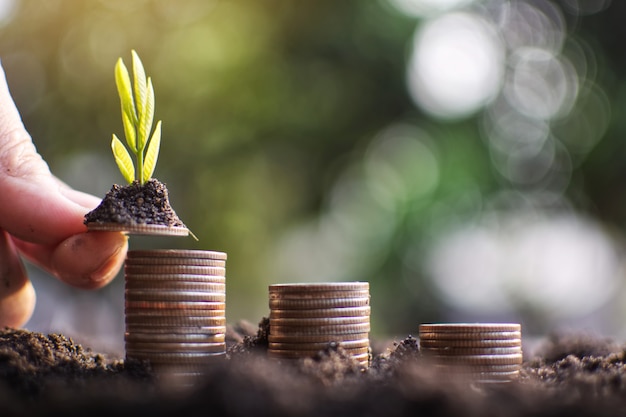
109 268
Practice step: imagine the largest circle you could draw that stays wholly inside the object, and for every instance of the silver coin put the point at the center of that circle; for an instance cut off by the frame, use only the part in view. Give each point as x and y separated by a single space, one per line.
176 330
175 313
324 338
172 295
321 313
511 359
145 347
174 269
324 321
318 295
319 330
314 304
175 285
151 278
176 253
319 286
348 344
471 351
174 338
175 261
469 327
138 229
478 343
470 336
174 305
175 321
176 358
309 353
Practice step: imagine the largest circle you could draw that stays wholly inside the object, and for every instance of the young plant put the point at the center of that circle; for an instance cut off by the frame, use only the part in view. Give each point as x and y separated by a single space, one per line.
137 101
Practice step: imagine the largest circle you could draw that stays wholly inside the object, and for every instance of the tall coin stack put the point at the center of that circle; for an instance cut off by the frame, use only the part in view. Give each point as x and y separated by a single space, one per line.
305 318
175 309
485 352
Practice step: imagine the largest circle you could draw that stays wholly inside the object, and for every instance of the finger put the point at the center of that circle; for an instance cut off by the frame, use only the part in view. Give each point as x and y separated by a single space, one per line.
17 296
87 260
25 181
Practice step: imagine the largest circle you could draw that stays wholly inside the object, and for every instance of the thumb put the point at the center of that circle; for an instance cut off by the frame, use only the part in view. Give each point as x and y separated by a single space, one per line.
31 195
17 296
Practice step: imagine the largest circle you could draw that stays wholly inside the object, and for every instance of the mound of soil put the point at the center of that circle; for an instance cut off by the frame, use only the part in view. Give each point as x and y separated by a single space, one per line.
48 375
136 204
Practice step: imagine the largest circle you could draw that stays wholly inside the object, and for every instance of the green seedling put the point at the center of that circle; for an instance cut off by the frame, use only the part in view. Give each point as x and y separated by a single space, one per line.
137 102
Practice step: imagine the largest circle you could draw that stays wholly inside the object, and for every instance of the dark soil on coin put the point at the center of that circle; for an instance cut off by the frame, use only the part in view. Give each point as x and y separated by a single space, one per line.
49 375
136 204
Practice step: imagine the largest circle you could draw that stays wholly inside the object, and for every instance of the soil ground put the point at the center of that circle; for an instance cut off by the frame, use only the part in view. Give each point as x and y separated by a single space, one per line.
44 375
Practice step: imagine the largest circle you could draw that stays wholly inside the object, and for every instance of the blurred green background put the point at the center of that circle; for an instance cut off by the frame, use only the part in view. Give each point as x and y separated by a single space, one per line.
464 157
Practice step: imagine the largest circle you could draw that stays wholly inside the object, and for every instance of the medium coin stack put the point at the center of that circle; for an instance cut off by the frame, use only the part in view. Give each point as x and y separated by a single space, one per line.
485 352
305 318
175 309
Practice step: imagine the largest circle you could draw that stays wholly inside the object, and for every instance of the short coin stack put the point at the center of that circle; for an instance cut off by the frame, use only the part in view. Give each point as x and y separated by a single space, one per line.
485 352
175 309
305 318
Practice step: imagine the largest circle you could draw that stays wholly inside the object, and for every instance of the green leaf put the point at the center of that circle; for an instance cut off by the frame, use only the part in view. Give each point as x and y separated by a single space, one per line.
124 89
139 84
123 160
145 121
129 131
152 153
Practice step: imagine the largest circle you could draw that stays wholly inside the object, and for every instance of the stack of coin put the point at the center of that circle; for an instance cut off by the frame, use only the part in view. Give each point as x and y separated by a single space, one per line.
305 318
485 352
175 309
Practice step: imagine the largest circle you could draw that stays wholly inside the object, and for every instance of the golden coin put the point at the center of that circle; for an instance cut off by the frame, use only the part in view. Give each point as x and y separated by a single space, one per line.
175 321
314 304
319 330
175 305
174 338
324 338
174 269
320 286
176 285
146 347
470 336
470 327
148 278
348 344
470 360
138 229
176 253
175 261
471 351
318 295
324 321
321 313
305 353
165 295
478 343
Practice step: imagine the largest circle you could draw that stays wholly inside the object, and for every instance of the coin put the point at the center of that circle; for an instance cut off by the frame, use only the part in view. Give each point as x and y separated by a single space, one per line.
463 368
324 321
324 286
471 351
174 337
175 305
479 343
138 229
319 330
132 284
209 330
470 336
176 253
347 344
510 359
172 295
146 314
175 321
320 313
304 353
324 338
176 357
175 261
319 303
174 269
318 295
469 327
141 347
217 279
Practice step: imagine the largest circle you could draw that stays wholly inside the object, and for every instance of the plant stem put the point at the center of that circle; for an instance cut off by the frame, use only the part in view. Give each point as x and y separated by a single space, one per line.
139 174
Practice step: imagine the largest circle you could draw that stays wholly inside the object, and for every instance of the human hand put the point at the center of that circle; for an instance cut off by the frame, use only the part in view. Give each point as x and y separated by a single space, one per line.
42 219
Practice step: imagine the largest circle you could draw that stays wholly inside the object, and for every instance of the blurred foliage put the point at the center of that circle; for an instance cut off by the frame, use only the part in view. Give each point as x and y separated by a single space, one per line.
264 106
